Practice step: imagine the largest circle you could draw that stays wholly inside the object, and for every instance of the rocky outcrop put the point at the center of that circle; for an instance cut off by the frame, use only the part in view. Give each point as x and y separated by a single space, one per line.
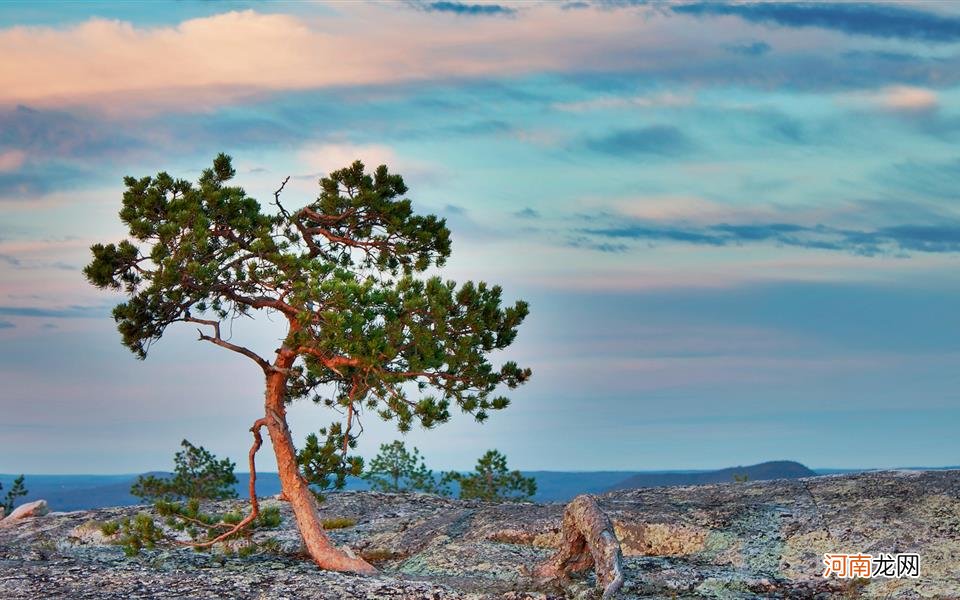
37 508
737 540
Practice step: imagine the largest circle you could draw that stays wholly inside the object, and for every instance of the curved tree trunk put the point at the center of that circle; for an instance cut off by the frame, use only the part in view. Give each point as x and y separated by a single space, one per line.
295 488
586 540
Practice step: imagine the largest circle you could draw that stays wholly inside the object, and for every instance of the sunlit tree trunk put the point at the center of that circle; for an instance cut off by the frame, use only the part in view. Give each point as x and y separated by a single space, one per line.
295 488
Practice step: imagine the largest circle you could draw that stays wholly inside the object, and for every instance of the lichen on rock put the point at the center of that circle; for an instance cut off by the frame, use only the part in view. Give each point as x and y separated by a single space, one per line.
743 540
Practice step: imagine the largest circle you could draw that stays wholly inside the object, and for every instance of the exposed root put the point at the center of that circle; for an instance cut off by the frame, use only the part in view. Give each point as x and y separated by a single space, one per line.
586 540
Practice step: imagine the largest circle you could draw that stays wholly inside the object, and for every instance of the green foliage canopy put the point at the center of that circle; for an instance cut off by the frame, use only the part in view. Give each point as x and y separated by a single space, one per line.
367 333
197 474
492 481
396 469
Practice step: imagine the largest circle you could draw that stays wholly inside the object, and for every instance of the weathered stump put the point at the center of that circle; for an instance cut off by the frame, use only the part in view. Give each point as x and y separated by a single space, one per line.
586 540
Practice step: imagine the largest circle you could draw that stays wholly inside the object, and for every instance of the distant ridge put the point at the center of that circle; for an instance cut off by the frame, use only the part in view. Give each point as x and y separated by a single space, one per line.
777 469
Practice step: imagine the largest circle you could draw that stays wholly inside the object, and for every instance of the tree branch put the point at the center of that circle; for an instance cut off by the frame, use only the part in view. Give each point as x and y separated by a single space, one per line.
216 339
254 503
276 198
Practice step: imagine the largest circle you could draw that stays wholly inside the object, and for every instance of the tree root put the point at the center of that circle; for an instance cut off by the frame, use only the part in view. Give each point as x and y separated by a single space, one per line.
586 540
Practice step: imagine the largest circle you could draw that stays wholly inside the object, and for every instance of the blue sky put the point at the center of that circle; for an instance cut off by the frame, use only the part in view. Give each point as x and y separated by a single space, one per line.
736 223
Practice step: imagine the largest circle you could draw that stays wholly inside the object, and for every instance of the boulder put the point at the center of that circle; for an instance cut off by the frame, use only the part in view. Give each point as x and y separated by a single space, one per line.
37 508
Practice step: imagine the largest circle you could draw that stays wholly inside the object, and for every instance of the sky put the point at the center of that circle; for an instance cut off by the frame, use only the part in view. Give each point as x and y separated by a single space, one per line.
736 224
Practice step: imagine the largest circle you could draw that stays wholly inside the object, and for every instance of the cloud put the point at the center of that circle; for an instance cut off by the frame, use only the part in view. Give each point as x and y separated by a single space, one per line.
248 57
70 312
883 20
581 241
662 100
11 160
662 140
27 183
6 325
460 8
942 238
42 150
324 158
204 62
928 179
527 213
749 48
910 99
903 99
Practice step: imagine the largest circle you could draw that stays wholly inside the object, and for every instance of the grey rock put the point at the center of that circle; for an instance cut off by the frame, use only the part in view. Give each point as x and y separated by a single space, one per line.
724 541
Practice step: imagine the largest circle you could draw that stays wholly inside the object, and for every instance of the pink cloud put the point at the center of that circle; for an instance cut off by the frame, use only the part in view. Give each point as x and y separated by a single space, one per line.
11 160
663 100
909 99
201 63
899 98
323 158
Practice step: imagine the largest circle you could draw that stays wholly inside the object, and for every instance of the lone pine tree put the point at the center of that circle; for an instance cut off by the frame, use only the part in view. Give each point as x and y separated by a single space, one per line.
363 333
198 474
492 481
396 469
17 489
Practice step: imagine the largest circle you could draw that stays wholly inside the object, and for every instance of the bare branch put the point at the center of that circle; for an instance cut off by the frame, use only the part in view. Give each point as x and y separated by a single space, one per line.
276 198
254 503
216 339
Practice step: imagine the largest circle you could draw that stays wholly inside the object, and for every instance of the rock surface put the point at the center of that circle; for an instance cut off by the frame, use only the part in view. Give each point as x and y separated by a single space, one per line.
728 541
37 508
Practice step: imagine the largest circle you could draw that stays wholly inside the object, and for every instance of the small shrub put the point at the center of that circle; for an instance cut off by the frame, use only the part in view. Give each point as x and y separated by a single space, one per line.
110 528
269 518
270 545
139 533
232 518
339 523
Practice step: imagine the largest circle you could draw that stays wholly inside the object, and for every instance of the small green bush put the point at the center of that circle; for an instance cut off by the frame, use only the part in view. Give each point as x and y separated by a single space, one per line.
269 518
339 523
139 533
110 528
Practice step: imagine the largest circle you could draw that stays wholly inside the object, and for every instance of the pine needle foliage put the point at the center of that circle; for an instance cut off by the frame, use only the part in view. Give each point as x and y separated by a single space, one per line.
396 469
491 481
325 466
366 331
197 474
17 490
143 532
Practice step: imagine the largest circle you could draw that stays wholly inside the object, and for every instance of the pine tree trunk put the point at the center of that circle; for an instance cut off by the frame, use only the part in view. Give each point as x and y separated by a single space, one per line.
295 488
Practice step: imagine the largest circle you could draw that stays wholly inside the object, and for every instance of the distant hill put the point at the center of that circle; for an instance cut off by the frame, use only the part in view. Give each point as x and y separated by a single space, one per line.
777 469
85 492
82 492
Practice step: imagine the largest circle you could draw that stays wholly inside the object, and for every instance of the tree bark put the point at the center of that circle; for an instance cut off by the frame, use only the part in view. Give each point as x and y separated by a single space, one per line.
586 540
294 487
